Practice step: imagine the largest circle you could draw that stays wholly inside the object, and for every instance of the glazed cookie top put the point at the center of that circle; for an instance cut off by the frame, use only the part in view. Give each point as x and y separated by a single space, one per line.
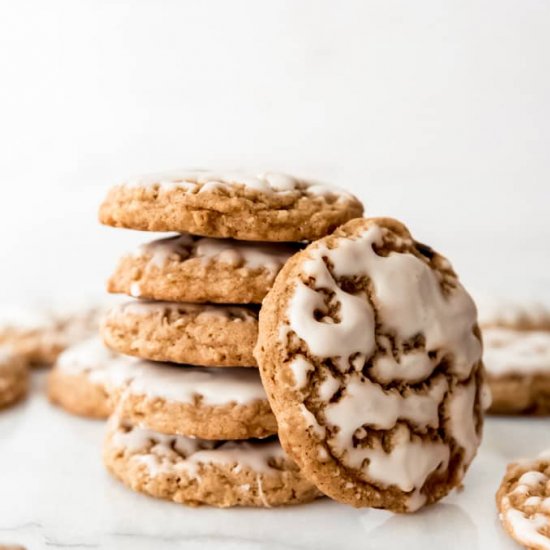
252 255
208 181
524 501
511 351
166 452
94 360
370 353
185 384
265 207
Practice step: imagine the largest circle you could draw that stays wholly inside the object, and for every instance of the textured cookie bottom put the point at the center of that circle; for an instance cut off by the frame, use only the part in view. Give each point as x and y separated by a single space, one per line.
527 394
78 395
194 472
206 335
523 502
14 378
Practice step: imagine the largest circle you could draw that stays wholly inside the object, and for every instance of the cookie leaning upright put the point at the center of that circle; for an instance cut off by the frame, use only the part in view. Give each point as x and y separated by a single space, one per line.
371 358
269 207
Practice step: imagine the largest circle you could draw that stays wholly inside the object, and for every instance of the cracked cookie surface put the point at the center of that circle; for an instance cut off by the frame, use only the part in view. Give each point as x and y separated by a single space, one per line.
371 358
193 471
196 334
186 268
267 207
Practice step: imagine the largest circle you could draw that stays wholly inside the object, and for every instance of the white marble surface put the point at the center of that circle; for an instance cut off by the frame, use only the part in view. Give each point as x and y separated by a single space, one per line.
54 493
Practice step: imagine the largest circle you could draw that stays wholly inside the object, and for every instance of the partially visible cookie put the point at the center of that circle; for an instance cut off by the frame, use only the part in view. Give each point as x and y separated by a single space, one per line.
514 314
86 376
197 334
194 471
14 376
40 334
523 502
186 268
518 370
198 402
371 358
267 207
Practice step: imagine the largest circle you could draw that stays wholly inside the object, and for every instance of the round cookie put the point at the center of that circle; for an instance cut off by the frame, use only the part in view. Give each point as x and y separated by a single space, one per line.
185 268
197 402
518 370
208 335
41 334
268 207
371 358
523 502
85 377
14 377
193 471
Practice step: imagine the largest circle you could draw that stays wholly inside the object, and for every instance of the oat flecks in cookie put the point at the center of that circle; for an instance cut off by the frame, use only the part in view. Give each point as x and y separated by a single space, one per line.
197 334
193 471
371 357
198 402
13 376
186 268
267 207
523 502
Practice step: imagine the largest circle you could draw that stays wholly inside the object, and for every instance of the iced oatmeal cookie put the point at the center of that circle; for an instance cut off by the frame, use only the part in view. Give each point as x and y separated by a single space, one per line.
370 354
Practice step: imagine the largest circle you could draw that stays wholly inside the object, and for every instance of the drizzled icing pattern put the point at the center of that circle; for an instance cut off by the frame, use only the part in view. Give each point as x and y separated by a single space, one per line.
509 351
526 507
406 303
165 453
204 181
270 257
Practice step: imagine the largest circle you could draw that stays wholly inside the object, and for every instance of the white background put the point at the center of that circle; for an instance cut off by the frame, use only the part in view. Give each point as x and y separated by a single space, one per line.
433 112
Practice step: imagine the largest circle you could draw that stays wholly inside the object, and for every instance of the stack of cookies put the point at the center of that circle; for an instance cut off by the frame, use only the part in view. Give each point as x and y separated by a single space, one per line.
192 422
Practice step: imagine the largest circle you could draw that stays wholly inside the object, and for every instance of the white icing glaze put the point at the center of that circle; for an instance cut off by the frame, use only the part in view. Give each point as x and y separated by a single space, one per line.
146 307
300 368
409 302
253 255
92 359
462 419
180 453
183 384
527 528
203 181
508 351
